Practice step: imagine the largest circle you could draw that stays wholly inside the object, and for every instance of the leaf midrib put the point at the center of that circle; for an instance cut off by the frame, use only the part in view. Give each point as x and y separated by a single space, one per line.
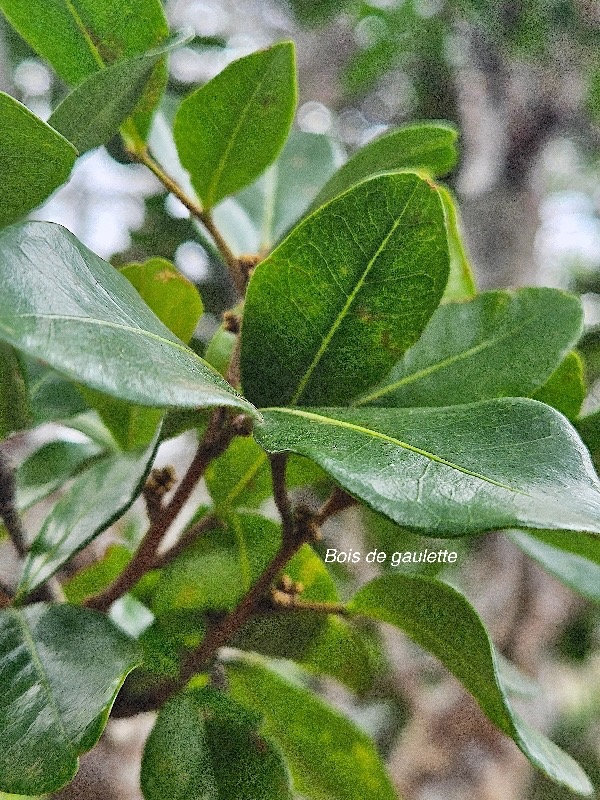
446 362
349 301
332 421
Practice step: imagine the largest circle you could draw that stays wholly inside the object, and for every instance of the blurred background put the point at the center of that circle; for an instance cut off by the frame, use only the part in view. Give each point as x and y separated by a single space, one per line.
521 81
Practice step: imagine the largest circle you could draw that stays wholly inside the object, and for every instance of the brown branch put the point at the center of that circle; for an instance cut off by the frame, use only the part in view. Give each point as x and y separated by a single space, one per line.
215 441
338 500
191 535
205 217
8 509
283 601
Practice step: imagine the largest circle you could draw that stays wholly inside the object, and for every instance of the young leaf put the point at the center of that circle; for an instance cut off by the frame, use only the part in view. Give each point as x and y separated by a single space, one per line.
220 568
63 304
204 746
328 756
450 471
461 281
92 114
80 36
565 388
524 334
442 621
34 160
60 670
573 558
228 131
349 290
427 147
45 470
98 496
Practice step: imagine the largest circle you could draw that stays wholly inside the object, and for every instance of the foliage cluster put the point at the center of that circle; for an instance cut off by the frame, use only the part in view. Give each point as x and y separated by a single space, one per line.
360 360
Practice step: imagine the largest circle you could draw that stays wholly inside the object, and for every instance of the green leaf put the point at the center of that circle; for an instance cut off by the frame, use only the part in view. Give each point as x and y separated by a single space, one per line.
67 306
430 147
204 746
177 304
15 410
450 471
461 281
60 670
173 298
573 558
49 467
216 571
349 290
231 129
282 195
98 496
78 37
34 160
524 334
93 579
52 397
565 388
240 477
442 621
92 114
328 756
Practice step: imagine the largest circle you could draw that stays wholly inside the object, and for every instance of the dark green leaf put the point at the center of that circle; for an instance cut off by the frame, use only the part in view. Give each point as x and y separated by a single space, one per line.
177 304
78 37
349 290
34 160
442 621
52 397
231 129
45 471
92 114
205 746
461 281
60 670
329 757
573 558
15 411
430 147
63 304
450 471
501 344
565 388
97 497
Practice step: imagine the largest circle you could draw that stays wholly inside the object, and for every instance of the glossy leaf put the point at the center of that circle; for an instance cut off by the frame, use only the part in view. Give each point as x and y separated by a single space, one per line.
67 306
79 37
428 147
565 388
60 670
450 471
442 621
98 496
220 568
349 290
233 127
49 467
328 756
52 397
92 114
177 304
283 194
204 746
15 410
524 334
461 281
34 160
573 558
